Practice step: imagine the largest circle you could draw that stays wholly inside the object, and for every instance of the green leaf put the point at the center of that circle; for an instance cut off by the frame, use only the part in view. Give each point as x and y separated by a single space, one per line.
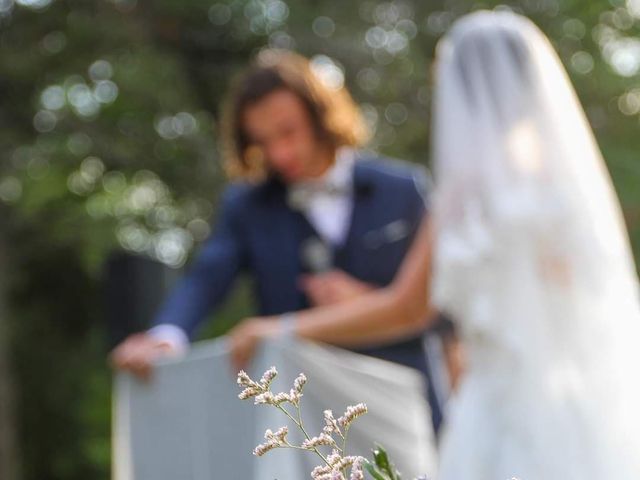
382 462
374 472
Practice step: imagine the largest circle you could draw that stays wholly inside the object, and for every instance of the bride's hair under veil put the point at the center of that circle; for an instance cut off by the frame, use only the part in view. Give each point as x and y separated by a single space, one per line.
532 256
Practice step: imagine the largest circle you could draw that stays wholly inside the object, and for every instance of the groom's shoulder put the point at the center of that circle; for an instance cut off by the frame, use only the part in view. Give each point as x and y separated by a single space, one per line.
384 166
392 171
239 196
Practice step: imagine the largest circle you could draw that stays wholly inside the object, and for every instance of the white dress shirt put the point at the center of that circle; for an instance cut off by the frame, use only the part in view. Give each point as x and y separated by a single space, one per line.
326 202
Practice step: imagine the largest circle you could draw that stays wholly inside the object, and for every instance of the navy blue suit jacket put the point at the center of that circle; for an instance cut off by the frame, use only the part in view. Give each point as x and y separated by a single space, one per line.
259 234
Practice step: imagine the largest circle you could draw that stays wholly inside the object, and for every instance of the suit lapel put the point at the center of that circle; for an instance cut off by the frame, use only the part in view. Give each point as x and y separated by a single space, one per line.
363 190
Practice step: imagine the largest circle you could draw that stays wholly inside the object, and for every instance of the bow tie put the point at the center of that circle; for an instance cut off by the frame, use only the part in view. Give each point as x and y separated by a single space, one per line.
300 196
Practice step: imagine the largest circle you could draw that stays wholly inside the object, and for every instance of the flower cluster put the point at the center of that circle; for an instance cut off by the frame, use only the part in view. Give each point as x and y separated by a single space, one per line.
351 414
335 465
322 439
331 424
273 440
261 391
251 388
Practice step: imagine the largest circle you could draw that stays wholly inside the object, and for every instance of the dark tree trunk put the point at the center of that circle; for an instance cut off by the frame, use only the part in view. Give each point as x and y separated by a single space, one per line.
8 439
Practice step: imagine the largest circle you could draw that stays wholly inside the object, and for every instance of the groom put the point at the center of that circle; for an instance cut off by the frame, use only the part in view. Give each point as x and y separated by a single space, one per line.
313 220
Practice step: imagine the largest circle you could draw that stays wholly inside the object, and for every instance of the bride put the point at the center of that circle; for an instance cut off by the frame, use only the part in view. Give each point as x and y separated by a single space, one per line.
527 250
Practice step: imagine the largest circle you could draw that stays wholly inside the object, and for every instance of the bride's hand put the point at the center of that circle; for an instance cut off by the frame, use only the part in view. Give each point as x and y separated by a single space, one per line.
245 337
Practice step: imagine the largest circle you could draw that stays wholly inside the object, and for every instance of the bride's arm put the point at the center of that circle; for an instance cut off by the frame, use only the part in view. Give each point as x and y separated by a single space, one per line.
385 314
381 315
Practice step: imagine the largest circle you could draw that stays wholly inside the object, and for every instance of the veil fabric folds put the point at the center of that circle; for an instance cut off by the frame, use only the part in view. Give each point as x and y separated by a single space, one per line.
532 259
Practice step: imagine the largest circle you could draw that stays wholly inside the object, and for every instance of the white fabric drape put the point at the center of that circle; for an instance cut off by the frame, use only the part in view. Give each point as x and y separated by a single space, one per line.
189 424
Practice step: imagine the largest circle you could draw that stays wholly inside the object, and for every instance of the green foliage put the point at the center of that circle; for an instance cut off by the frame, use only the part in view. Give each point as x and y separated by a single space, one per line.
382 468
108 139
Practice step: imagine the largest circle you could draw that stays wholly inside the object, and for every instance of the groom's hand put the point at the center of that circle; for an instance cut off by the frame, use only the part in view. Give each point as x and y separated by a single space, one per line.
333 287
137 354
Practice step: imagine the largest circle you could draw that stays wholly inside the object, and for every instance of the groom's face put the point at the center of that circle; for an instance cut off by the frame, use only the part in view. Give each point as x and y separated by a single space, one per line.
280 125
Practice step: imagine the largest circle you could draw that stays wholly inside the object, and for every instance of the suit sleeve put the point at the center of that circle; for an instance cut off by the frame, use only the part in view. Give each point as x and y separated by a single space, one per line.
211 275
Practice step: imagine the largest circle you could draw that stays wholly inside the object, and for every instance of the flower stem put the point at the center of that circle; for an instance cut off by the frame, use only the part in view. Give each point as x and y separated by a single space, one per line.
299 424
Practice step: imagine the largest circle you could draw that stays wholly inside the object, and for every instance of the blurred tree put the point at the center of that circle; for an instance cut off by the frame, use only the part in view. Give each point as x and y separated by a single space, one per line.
8 441
108 139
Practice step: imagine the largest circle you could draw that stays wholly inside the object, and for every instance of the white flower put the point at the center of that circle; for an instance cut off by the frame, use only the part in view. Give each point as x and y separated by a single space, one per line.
267 377
268 398
322 439
265 398
281 398
294 397
356 469
263 448
320 472
251 388
326 473
244 380
336 475
353 412
334 458
273 440
280 435
249 392
331 424
337 465
348 461
299 383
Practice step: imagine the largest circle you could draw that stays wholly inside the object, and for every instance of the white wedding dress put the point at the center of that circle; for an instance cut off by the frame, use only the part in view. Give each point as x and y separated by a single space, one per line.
533 262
